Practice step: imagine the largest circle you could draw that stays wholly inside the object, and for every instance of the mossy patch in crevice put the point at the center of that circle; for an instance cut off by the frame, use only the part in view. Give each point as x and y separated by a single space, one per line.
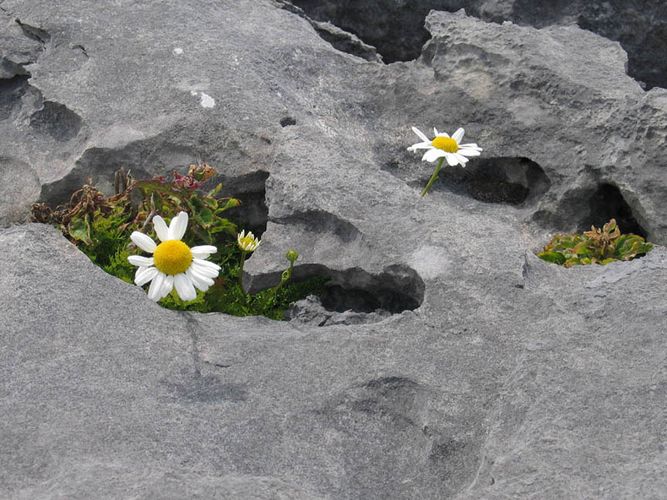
100 226
597 246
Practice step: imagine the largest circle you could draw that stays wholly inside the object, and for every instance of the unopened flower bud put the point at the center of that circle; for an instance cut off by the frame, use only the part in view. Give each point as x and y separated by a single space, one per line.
292 255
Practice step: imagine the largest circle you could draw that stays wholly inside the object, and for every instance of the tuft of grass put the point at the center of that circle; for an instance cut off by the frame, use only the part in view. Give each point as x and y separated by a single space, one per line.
597 246
101 226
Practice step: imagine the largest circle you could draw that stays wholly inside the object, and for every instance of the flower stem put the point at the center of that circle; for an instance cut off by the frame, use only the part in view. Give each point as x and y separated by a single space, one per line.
243 252
285 276
434 177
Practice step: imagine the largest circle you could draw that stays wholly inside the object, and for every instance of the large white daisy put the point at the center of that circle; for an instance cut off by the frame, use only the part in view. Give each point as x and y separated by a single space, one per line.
173 264
444 146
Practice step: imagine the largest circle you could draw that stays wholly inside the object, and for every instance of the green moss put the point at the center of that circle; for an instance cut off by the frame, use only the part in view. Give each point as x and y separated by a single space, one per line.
597 246
101 226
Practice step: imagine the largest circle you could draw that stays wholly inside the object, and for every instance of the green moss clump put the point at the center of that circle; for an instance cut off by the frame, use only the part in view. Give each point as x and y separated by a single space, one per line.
101 226
597 246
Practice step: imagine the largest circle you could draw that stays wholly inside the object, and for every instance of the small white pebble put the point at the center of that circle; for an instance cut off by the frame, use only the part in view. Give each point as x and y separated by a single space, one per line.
177 51
206 100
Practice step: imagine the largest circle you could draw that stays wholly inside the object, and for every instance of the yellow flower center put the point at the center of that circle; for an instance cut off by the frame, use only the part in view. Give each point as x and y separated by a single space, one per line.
247 242
172 257
446 144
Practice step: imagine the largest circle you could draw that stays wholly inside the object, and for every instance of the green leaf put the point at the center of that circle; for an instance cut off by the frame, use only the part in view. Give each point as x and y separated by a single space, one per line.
582 250
230 203
79 230
213 192
554 257
205 216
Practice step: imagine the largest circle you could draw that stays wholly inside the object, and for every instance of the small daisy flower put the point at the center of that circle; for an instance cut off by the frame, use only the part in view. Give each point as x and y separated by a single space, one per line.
247 242
444 146
173 264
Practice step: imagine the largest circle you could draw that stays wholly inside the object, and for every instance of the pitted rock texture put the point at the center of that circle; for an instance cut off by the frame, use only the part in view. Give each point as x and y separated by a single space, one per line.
396 27
487 372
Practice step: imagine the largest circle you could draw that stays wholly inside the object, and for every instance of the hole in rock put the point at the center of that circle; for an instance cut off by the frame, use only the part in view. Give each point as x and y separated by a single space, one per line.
253 213
11 91
287 121
607 203
497 180
394 27
57 121
581 208
396 289
354 296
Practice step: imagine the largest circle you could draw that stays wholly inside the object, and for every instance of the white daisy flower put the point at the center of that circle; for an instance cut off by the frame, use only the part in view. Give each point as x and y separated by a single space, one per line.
444 146
247 242
173 264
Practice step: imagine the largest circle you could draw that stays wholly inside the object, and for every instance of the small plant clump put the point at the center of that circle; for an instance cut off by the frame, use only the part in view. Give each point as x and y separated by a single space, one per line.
597 246
101 227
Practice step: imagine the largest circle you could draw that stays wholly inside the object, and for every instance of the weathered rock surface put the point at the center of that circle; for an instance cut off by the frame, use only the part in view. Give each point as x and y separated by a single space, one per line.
396 26
494 375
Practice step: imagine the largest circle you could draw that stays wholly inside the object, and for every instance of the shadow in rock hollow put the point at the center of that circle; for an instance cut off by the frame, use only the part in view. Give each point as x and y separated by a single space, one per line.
510 180
580 208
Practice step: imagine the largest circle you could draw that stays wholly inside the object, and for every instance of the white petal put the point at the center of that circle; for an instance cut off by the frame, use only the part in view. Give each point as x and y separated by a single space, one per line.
435 131
470 145
468 152
207 263
177 226
184 288
138 260
207 272
203 251
421 145
156 287
167 286
443 134
161 228
201 282
458 135
144 275
433 154
451 159
143 241
462 159
420 134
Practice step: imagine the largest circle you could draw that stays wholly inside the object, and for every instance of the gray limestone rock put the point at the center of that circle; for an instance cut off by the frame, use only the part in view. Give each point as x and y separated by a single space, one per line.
491 374
396 27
